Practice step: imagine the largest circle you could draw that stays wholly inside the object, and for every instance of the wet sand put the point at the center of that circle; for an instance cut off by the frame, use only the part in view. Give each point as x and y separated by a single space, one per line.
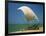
26 31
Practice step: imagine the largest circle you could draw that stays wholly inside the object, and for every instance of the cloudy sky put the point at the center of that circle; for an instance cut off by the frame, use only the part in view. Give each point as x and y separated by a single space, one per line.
16 16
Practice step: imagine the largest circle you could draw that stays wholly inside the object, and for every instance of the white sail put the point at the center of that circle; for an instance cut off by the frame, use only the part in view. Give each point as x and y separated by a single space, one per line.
28 12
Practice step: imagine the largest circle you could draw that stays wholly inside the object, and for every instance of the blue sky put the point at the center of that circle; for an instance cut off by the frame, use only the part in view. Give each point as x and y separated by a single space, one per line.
16 16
